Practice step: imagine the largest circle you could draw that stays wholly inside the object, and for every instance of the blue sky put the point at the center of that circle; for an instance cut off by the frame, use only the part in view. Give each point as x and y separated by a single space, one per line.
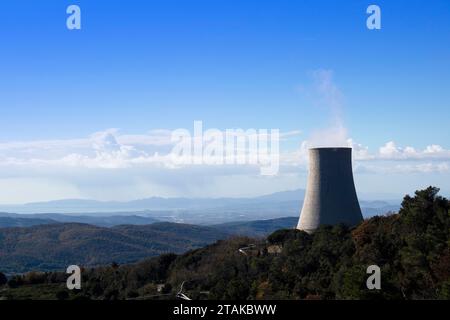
139 66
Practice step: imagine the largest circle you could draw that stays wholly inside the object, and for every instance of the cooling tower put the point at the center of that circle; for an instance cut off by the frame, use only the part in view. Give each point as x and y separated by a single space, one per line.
330 194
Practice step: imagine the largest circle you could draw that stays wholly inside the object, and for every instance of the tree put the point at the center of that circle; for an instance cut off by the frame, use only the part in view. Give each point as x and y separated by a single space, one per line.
3 279
62 295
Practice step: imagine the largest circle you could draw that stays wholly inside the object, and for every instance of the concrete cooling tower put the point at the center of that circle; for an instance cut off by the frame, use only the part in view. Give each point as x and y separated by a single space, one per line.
330 194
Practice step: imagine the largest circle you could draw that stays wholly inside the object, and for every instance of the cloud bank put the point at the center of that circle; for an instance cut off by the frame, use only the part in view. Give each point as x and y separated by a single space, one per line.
109 165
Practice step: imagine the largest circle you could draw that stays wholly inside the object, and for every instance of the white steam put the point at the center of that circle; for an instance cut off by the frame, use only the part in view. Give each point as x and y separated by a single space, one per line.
331 99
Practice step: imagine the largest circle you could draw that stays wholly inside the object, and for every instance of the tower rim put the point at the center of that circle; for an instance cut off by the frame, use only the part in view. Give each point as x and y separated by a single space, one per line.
330 148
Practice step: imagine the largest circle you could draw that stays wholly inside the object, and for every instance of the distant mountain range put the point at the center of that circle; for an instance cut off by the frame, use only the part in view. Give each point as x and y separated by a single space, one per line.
154 204
201 211
58 245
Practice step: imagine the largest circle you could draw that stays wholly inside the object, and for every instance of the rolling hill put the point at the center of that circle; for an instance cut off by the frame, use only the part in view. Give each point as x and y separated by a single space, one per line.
27 220
8 222
56 246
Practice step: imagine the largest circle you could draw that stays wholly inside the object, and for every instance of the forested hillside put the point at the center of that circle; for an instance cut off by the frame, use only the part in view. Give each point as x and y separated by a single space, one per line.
56 246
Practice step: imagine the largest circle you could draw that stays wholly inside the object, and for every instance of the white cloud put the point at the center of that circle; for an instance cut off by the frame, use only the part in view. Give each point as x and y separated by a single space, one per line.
359 151
434 149
433 158
390 151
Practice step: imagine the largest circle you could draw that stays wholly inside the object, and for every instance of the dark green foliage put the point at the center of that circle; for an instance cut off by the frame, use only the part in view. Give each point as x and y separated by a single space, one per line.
3 279
284 235
411 248
15 281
